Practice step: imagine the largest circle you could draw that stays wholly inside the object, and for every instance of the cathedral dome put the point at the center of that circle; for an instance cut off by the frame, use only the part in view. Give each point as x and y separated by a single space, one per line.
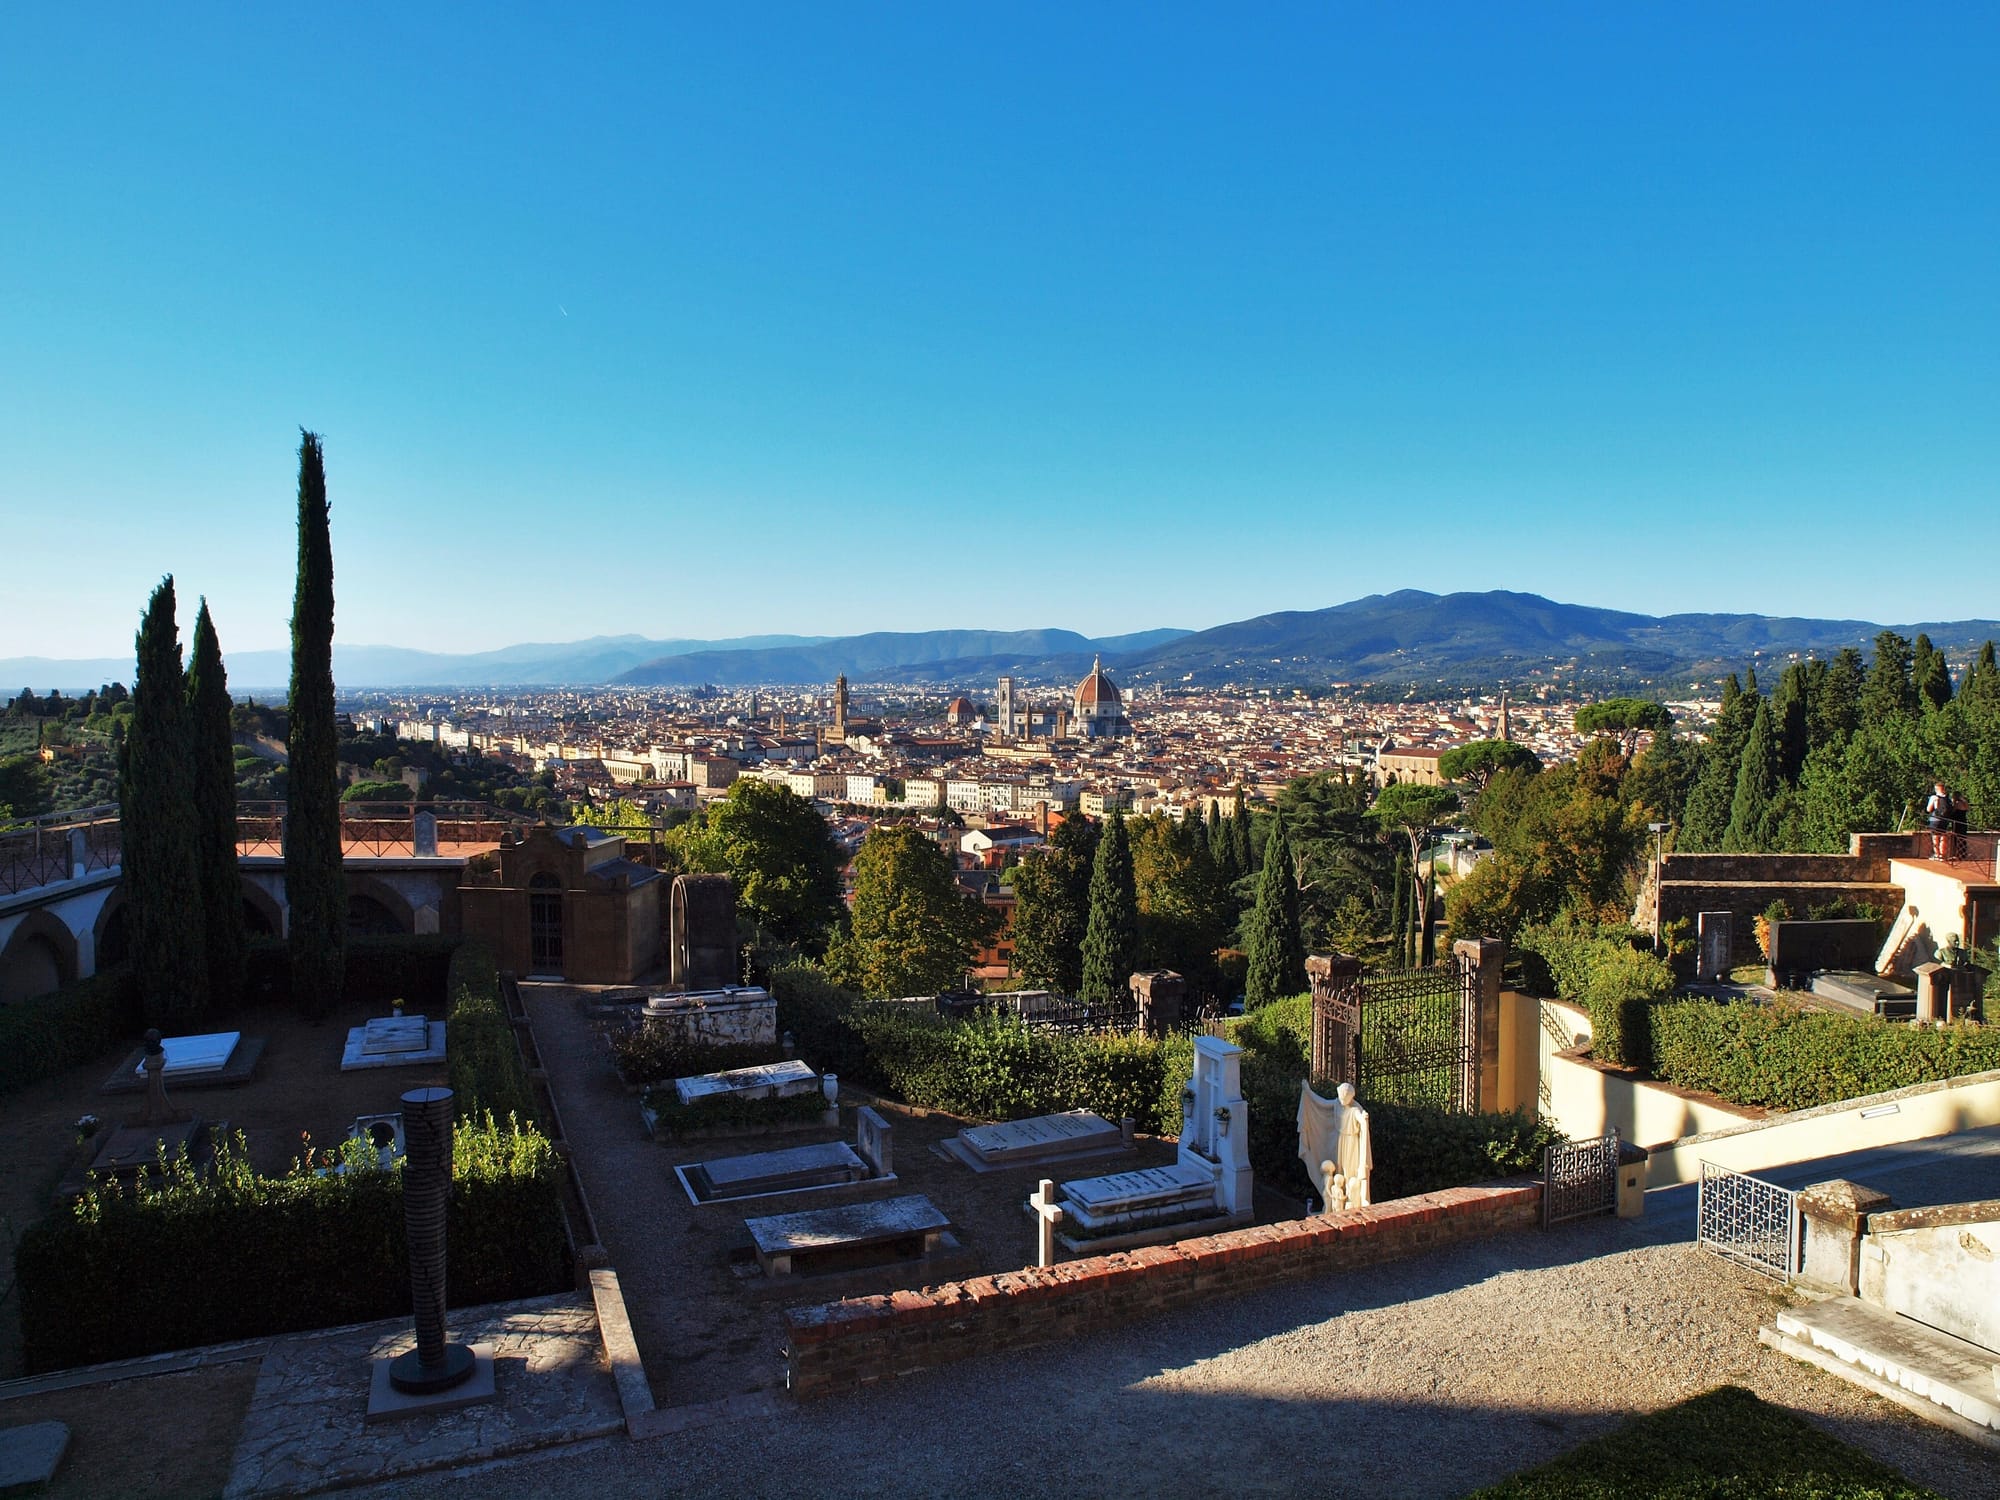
1097 690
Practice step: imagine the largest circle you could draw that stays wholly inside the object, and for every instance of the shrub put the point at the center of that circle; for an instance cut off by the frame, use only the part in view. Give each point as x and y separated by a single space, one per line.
1784 1057
819 1015
1422 1149
1624 984
673 1118
378 970
82 1021
649 1052
487 1074
200 1259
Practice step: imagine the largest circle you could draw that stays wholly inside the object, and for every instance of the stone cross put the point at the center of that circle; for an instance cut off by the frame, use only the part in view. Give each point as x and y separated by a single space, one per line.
1050 1214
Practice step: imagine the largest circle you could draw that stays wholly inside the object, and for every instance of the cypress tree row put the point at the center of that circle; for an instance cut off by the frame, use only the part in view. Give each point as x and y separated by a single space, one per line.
1756 787
1277 959
1399 902
214 770
161 852
1111 941
315 886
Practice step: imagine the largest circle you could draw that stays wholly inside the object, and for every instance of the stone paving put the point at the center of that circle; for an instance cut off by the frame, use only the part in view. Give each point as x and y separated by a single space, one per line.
305 1429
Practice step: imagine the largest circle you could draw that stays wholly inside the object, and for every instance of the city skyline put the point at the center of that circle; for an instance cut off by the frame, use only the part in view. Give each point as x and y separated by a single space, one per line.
808 321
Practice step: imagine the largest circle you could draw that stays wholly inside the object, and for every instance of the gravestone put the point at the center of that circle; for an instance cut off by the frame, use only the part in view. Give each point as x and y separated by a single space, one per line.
731 1016
778 1080
1715 942
1215 1121
208 1053
393 1042
854 1235
30 1455
424 835
701 932
875 1140
1043 1140
762 1174
1867 994
1161 996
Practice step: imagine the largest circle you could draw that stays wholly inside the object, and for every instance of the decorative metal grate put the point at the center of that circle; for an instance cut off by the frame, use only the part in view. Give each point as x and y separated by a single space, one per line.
1750 1221
1579 1180
1417 1043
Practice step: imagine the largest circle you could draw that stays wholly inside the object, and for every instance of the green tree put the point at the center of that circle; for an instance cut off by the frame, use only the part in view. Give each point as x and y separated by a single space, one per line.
780 854
1277 955
1889 689
1835 712
1930 675
1478 761
214 769
914 932
1242 852
162 845
1757 784
1413 811
1626 718
315 883
1713 794
1791 715
1183 909
1111 939
1052 908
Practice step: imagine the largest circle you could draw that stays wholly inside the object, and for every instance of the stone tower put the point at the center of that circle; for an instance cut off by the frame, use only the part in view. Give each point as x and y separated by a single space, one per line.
1506 726
840 707
1003 710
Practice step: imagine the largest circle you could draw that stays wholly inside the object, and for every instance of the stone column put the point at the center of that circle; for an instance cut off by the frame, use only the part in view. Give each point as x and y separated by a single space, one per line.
1933 992
1480 962
1160 995
433 1365
1836 1217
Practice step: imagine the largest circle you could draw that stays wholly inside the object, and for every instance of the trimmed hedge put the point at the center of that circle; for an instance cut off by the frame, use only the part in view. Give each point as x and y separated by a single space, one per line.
1783 1057
231 1255
1603 970
487 1074
415 970
650 1052
91 1018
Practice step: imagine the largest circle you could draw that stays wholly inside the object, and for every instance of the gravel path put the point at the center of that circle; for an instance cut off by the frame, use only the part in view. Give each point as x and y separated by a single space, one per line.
1429 1378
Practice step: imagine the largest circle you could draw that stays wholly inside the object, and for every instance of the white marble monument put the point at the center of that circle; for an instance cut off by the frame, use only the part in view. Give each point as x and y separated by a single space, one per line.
1215 1122
1335 1145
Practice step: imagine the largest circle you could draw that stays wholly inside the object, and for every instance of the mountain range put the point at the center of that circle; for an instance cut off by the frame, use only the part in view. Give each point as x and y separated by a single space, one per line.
1405 640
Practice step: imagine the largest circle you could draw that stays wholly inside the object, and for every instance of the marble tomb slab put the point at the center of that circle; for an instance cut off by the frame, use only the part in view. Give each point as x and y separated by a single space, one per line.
30 1454
1155 1199
384 1043
1043 1140
854 1234
778 1080
765 1173
237 1064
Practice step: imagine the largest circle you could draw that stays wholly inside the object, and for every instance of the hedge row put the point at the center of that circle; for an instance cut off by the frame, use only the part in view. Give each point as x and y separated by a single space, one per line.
1783 1057
194 1260
43 1036
487 1074
1603 970
380 969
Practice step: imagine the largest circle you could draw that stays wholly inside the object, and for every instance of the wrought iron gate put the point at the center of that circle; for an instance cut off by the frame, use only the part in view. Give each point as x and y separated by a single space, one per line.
1750 1221
1408 1036
1579 1179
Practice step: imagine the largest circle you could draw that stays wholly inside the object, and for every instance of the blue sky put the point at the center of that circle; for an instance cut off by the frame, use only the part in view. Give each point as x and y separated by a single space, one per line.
835 318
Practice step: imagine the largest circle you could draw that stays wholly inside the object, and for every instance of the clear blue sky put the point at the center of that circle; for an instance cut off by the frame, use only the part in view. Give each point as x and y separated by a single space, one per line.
843 317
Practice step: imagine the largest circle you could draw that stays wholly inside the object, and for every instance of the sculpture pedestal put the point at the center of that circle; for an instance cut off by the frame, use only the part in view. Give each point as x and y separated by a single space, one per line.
386 1401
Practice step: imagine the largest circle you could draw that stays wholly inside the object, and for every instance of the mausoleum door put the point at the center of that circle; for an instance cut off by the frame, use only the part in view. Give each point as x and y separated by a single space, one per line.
545 925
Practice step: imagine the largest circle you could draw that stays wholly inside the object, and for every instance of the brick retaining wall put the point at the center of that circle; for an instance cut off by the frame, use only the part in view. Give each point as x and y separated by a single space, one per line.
840 1345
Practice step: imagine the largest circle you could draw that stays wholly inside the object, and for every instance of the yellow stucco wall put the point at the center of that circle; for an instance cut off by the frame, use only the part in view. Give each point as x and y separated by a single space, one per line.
1585 1101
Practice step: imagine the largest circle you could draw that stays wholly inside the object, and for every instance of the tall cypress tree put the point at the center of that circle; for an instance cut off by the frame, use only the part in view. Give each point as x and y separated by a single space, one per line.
1930 676
1982 683
1889 689
1277 966
1399 926
1712 797
1756 787
1243 850
1222 846
1111 941
162 862
214 765
315 885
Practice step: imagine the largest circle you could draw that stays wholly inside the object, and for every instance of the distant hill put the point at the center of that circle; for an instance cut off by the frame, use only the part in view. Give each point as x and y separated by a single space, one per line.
1412 637
901 656
1409 639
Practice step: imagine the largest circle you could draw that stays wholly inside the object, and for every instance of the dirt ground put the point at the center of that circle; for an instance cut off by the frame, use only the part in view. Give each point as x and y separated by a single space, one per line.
705 1330
168 1437
298 1087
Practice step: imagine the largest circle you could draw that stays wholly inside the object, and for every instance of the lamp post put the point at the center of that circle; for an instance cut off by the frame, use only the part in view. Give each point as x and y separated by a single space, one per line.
1658 831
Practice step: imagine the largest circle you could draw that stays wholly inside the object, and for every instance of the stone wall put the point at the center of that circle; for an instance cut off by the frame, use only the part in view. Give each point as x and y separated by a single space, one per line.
841 1345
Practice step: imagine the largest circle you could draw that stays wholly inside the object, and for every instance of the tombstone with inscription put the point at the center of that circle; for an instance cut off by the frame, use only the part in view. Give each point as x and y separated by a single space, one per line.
1043 1140
778 1080
1714 944
796 1169
424 835
1216 1131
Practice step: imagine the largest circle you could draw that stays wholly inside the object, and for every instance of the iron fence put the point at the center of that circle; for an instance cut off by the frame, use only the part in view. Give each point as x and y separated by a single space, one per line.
60 847
1579 1180
1750 1221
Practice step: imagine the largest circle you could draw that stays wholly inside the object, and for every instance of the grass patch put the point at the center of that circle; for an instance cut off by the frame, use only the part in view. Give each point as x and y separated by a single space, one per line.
1724 1445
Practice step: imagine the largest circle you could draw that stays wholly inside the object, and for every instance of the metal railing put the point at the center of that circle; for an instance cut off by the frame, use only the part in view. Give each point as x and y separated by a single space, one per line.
1750 1221
1579 1179
68 846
